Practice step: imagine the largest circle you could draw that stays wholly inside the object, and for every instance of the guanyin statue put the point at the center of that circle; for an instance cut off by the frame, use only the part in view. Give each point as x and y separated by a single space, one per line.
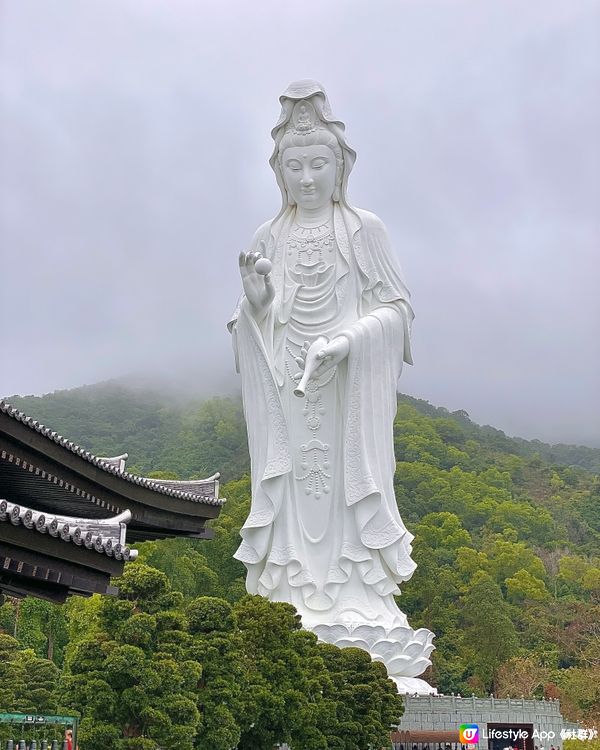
320 334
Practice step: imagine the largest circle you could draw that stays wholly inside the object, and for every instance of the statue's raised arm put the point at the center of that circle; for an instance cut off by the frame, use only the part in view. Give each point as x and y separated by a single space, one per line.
321 334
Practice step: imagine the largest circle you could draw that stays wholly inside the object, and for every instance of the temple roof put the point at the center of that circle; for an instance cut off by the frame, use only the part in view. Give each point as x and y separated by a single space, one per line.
65 513
106 536
198 491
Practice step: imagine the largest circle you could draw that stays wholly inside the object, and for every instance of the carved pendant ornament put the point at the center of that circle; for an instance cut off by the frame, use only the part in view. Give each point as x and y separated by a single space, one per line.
320 335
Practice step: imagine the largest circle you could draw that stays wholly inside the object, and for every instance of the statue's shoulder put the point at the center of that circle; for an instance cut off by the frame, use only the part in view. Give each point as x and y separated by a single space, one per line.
370 222
263 232
372 229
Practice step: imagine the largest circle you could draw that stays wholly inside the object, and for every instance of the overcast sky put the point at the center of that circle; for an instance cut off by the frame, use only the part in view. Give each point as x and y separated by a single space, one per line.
134 139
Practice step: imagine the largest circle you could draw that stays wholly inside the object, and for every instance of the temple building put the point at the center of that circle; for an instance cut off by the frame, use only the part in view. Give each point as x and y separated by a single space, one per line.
68 518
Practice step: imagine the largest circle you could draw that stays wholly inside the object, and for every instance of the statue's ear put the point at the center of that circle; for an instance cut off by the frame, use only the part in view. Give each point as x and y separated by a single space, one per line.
291 201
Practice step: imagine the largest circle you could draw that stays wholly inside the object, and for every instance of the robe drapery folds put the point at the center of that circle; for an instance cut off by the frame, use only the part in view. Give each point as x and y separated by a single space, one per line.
379 338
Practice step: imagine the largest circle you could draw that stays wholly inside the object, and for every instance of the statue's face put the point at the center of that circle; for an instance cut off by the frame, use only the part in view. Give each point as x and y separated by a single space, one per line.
309 173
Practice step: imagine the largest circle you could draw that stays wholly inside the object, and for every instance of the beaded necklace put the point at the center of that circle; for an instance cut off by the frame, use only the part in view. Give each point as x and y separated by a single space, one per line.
312 244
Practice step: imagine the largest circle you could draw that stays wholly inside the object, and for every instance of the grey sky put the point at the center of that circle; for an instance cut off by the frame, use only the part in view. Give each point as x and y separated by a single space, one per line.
134 140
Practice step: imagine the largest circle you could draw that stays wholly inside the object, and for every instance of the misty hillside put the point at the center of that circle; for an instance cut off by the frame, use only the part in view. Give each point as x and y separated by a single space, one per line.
161 430
507 534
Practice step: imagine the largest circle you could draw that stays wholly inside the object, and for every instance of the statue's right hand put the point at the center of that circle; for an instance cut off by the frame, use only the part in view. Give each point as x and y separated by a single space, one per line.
258 289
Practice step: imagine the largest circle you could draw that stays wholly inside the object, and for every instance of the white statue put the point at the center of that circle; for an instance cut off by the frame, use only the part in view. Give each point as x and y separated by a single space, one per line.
320 337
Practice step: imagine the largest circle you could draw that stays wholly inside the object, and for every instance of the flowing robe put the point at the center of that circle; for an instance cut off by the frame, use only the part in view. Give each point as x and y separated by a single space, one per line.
324 532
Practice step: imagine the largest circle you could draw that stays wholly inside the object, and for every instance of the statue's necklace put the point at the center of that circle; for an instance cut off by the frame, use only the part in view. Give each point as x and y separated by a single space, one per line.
311 243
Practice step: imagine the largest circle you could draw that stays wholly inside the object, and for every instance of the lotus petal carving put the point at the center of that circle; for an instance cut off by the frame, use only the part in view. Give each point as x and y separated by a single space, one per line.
404 652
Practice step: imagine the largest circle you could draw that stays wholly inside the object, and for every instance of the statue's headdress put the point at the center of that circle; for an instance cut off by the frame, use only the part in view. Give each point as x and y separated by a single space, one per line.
305 110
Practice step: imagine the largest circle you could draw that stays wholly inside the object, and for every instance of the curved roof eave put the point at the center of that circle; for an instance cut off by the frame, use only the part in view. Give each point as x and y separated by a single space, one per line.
203 491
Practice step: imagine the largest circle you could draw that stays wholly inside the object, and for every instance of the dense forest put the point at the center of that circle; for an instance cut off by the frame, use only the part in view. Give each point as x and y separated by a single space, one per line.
507 542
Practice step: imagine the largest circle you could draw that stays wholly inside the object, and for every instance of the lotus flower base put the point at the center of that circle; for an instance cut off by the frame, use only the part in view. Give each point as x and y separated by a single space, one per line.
404 652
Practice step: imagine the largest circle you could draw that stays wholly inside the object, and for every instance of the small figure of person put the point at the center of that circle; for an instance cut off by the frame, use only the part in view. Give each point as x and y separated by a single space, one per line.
68 743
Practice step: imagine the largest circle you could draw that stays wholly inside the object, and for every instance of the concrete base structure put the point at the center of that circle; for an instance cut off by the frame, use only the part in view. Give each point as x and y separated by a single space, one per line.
434 720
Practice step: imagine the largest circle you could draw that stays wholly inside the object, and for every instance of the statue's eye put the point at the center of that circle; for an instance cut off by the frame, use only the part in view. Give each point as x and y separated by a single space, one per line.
319 163
294 165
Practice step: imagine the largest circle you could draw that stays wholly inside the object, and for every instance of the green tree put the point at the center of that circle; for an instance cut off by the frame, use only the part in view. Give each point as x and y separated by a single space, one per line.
310 695
489 632
41 626
133 681
509 557
27 682
364 702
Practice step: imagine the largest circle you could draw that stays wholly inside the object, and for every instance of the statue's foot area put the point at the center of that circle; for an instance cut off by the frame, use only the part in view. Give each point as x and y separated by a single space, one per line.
404 651
413 686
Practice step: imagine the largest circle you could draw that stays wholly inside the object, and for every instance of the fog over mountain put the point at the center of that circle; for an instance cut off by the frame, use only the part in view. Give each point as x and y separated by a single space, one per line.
133 168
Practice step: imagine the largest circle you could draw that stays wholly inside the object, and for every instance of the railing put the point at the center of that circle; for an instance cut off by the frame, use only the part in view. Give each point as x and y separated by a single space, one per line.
441 702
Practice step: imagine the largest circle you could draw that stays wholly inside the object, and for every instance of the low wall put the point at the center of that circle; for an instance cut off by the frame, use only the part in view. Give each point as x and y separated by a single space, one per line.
447 712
